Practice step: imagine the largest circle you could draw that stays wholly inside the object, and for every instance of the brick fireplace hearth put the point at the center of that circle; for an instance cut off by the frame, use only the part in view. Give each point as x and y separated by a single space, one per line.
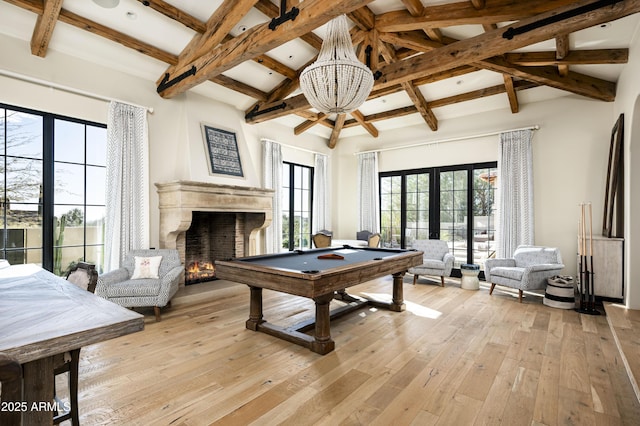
210 221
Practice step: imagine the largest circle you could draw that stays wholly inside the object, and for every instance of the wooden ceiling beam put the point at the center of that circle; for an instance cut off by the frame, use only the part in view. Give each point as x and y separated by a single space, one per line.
580 84
254 42
306 125
359 117
411 89
337 128
363 17
421 104
562 50
218 26
574 57
576 84
43 30
239 87
518 85
127 41
511 93
494 43
123 39
464 13
271 11
438 103
176 14
414 7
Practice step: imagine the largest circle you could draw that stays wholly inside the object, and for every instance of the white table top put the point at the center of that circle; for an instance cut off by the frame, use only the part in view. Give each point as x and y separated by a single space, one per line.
352 243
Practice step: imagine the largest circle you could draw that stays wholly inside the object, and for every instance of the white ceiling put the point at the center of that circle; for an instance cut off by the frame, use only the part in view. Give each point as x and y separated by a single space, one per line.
131 17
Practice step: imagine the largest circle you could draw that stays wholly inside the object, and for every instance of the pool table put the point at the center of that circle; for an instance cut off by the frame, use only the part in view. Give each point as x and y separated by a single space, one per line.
307 274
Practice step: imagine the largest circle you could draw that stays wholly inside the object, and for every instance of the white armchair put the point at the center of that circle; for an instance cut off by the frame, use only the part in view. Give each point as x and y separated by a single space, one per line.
527 270
436 259
133 285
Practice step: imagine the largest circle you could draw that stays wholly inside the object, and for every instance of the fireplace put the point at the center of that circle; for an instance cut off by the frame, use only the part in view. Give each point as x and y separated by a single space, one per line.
205 222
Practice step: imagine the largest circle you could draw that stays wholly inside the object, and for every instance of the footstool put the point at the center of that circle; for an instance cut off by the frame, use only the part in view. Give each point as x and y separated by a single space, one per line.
469 279
560 292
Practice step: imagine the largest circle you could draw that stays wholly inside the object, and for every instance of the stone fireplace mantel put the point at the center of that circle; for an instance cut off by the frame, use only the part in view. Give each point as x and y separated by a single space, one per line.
179 199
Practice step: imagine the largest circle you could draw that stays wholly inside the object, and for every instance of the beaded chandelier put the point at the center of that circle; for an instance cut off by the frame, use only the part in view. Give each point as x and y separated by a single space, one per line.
337 82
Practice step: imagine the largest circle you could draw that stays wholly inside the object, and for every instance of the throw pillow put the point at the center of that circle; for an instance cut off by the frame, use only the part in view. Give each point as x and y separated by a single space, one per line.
146 267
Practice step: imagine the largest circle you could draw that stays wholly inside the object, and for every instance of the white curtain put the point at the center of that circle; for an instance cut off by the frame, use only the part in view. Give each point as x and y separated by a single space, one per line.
320 195
368 205
515 177
126 197
272 179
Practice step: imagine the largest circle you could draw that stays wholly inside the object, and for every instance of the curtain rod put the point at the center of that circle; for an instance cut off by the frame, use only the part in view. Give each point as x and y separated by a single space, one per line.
67 89
295 147
461 138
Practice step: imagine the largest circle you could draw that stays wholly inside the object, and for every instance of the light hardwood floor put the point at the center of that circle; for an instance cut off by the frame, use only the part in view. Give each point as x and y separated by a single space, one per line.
455 357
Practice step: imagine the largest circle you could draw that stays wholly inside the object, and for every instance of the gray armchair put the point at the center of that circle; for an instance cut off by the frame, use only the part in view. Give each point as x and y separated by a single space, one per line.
120 286
527 270
436 259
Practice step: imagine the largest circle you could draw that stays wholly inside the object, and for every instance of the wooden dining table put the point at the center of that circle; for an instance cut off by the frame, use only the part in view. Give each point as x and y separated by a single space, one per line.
41 316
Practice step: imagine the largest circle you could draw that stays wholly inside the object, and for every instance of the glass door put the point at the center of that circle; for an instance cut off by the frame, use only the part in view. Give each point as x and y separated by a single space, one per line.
454 213
454 204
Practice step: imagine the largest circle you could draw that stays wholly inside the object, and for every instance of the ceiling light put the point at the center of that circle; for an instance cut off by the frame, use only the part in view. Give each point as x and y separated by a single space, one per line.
109 4
337 82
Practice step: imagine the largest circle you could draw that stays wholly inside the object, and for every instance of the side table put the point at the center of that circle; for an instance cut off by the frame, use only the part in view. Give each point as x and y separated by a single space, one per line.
469 279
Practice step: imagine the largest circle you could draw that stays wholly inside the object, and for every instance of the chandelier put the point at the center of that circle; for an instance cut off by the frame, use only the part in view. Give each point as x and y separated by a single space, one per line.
337 82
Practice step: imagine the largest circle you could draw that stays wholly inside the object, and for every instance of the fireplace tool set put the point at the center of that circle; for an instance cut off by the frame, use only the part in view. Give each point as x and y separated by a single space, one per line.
585 262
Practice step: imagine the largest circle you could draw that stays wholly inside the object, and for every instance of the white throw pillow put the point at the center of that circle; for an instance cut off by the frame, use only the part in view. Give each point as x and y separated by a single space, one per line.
146 267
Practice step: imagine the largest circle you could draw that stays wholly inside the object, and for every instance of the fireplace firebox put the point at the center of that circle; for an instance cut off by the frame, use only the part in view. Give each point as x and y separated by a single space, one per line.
211 236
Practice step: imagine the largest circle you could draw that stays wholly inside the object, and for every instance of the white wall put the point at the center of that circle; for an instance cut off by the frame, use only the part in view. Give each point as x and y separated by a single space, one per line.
628 103
570 162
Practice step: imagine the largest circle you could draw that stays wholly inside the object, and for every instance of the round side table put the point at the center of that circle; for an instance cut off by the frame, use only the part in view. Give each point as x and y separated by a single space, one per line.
469 279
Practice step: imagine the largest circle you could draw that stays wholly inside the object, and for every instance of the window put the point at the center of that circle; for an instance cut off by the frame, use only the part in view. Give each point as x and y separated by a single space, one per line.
454 204
297 184
52 177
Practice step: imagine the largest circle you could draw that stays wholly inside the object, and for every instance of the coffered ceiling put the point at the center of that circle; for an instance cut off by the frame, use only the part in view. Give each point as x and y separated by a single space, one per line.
435 59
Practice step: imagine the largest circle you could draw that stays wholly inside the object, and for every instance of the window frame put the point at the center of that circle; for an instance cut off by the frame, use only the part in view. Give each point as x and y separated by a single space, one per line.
48 179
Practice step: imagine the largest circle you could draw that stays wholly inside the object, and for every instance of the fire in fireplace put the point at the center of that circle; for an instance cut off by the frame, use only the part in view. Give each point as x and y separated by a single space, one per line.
198 272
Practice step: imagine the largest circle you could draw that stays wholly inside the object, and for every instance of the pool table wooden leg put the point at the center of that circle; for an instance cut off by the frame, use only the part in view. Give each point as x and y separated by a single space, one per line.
255 309
397 303
322 343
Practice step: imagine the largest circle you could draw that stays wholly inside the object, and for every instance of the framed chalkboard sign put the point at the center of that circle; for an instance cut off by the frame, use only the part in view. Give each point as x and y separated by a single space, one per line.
222 148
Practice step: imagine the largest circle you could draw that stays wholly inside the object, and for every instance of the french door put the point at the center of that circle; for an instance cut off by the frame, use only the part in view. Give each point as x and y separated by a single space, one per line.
297 184
453 203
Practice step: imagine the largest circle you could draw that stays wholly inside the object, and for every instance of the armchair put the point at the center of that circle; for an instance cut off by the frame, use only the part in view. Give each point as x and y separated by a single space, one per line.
132 285
436 259
527 270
